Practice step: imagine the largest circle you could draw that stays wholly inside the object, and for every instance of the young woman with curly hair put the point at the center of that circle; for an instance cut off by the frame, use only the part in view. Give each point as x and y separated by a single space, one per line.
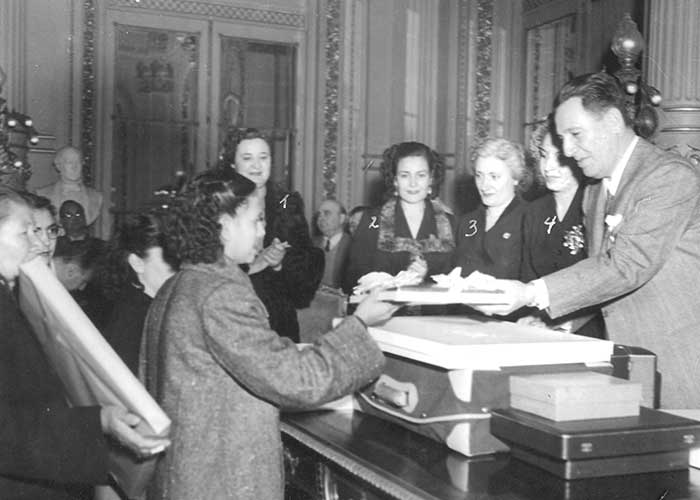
217 368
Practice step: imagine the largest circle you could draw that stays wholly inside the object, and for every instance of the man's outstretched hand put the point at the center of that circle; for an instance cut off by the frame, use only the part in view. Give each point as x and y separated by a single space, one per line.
515 295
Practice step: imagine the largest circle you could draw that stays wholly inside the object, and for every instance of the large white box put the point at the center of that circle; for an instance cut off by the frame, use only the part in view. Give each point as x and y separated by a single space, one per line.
444 375
456 342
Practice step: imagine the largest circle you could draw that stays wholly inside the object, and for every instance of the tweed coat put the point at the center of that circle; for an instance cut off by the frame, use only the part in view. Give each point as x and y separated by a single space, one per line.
644 267
221 374
46 448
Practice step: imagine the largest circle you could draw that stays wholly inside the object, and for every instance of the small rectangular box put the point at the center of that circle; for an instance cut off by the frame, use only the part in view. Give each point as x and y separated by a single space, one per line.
575 396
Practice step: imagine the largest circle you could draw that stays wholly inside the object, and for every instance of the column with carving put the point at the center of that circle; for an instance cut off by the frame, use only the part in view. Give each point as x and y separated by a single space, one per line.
673 66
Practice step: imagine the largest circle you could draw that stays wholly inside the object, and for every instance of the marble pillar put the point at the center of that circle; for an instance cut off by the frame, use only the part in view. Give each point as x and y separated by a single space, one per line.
673 66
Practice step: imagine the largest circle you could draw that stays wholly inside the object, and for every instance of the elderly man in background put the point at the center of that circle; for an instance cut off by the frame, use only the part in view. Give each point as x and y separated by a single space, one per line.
334 241
642 222
69 164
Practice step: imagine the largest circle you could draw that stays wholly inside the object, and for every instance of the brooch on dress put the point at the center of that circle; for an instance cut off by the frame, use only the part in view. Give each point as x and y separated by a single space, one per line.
574 240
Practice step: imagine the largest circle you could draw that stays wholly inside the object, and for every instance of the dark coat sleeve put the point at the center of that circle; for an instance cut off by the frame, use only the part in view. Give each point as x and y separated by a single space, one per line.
40 437
302 267
54 444
527 271
360 259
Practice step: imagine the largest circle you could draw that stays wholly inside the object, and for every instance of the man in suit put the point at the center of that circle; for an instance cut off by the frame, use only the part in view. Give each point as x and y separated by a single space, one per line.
334 241
642 222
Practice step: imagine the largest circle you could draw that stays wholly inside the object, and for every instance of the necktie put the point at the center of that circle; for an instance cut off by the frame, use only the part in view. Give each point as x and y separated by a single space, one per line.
608 200
327 247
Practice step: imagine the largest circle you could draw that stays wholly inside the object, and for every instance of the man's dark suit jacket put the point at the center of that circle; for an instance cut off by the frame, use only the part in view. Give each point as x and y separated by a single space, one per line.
335 260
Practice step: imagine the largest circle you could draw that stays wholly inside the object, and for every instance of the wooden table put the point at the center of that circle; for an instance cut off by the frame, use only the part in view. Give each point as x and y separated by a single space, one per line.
339 455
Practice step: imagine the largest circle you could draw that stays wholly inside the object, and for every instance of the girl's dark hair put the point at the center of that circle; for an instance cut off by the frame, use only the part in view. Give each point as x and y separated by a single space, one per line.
136 235
227 157
396 152
193 231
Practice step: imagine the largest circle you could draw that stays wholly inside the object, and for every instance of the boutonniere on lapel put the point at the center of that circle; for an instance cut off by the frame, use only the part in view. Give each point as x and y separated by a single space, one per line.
574 240
612 222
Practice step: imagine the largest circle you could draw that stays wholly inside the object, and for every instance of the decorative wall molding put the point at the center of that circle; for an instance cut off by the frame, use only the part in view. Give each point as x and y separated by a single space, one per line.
462 117
87 101
71 65
351 141
484 61
330 101
215 10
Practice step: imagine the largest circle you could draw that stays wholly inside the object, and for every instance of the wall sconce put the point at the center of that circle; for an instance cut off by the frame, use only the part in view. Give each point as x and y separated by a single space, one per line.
627 45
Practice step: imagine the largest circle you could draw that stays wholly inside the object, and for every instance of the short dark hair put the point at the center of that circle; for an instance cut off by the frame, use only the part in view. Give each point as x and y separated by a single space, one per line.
137 234
192 230
598 92
234 137
543 129
396 152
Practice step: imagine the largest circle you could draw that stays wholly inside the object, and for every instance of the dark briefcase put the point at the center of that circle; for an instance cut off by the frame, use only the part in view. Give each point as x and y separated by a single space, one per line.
652 441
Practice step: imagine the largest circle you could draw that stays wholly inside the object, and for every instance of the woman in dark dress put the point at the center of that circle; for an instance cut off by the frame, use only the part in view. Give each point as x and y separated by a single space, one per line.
553 225
137 265
490 238
412 229
288 271
48 450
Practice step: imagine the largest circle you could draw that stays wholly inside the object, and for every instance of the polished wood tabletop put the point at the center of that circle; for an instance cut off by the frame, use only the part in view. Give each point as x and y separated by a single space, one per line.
404 465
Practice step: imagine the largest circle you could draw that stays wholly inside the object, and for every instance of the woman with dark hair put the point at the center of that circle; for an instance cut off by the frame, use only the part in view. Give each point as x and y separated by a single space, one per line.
137 265
288 269
553 232
412 229
217 368
489 238
47 450
553 224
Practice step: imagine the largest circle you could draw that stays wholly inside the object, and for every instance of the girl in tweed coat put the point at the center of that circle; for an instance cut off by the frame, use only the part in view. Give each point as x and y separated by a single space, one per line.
215 366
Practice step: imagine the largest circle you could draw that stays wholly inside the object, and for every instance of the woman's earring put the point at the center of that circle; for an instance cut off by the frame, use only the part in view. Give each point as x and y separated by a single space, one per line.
430 190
